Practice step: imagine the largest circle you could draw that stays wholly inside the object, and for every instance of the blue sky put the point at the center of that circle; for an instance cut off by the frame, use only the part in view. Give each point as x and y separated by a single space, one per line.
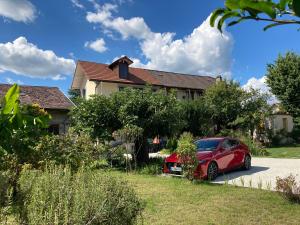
40 41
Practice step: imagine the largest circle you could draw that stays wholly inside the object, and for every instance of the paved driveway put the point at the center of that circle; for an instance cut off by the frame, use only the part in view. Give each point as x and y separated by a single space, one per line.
263 173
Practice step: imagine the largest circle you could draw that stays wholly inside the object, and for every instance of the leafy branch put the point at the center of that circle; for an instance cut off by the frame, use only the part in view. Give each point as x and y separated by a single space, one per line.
279 13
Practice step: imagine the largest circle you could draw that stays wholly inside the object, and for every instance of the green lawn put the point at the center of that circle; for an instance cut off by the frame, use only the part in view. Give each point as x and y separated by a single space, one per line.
285 152
177 201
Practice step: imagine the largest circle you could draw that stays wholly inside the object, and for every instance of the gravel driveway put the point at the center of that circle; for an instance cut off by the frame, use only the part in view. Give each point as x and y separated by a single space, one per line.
263 173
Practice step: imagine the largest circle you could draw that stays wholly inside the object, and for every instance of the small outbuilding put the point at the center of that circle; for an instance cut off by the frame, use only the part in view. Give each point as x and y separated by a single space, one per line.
51 99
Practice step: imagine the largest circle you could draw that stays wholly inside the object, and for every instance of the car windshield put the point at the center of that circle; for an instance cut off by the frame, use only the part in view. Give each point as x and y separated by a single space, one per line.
207 145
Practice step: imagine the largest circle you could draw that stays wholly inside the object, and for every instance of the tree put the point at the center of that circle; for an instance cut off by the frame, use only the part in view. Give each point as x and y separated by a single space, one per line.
283 77
255 109
97 116
197 117
157 113
74 95
277 13
223 102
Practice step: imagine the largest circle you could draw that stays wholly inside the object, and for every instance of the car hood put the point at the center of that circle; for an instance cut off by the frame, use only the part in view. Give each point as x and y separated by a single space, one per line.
200 155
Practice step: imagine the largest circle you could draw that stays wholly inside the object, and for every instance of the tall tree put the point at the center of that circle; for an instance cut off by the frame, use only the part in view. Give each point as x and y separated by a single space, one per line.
276 13
283 77
223 100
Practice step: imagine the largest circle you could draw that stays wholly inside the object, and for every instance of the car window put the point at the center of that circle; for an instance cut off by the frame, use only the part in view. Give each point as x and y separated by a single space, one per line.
226 144
230 143
207 145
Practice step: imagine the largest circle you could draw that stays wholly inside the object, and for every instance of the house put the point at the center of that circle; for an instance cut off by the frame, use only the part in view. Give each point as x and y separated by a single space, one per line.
49 98
96 78
280 120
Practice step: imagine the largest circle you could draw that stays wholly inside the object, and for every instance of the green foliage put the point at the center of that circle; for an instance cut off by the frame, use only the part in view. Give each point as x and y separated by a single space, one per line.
283 77
155 112
289 188
197 116
186 152
55 196
255 147
274 12
74 95
153 167
255 109
71 149
96 116
223 102
171 144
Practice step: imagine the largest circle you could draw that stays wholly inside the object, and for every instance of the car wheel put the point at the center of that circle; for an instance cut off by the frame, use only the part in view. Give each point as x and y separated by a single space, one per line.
212 171
247 162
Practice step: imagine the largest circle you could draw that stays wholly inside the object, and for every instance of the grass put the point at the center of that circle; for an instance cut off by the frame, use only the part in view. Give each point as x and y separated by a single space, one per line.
285 152
178 201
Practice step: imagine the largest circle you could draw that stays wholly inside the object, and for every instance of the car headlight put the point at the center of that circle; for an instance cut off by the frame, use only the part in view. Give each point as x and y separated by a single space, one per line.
202 161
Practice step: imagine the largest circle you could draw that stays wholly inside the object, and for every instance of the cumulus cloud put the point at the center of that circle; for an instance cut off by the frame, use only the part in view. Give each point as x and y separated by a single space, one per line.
24 58
18 10
98 45
204 51
260 85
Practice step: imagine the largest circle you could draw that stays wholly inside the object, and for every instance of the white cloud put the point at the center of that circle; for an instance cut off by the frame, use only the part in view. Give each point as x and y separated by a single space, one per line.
77 4
260 85
204 51
24 58
11 81
98 45
18 10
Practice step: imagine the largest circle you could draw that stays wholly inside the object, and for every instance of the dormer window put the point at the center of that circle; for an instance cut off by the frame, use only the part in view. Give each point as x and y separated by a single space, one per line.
121 66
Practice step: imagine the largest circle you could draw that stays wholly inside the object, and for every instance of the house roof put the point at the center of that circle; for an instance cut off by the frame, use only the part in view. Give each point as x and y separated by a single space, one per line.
102 72
46 97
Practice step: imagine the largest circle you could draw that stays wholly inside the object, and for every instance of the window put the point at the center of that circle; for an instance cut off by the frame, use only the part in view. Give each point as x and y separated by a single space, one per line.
83 93
54 129
230 143
207 145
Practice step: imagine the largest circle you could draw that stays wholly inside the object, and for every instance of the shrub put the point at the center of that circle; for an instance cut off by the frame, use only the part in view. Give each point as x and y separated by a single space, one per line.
71 149
55 196
289 188
171 144
186 151
255 147
153 167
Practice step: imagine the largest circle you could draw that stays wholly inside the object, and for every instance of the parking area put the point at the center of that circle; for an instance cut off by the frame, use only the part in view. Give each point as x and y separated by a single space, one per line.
263 173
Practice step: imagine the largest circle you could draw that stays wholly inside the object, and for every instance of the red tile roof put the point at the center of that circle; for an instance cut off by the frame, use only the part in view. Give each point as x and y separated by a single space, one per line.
102 72
46 97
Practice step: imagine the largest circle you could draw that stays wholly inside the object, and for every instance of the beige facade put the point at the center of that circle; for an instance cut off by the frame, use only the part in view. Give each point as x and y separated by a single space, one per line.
280 122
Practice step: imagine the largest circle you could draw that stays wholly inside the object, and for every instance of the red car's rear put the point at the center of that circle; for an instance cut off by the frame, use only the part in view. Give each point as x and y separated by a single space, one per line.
214 155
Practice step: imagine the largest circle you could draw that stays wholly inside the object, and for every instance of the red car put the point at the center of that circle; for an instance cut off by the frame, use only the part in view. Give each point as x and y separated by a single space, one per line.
215 155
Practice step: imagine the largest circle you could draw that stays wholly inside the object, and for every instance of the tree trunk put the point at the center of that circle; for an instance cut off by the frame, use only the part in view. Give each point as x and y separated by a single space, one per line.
141 151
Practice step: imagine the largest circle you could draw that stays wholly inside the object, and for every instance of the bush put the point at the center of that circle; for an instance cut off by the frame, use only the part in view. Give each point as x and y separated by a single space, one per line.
171 144
289 188
255 147
186 151
70 149
55 196
153 167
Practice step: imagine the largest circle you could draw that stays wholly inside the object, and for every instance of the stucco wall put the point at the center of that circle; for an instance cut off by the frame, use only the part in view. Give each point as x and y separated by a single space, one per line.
106 88
61 118
276 123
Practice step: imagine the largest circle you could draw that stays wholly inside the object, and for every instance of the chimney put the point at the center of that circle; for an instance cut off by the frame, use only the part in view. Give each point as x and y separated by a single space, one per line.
218 78
121 65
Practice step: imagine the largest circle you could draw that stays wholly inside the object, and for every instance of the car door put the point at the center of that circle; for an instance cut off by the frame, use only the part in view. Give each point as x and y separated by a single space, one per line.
238 152
225 156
